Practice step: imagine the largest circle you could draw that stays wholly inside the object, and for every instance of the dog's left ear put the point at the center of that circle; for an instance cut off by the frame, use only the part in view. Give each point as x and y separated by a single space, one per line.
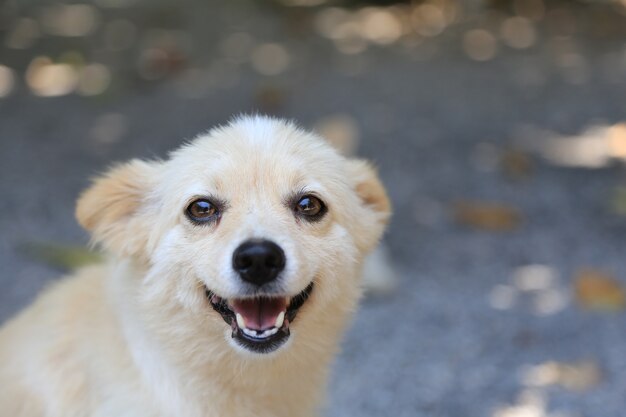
376 204
110 208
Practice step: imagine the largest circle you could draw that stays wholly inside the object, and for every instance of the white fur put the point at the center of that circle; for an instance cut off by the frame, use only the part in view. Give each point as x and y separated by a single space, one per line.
137 336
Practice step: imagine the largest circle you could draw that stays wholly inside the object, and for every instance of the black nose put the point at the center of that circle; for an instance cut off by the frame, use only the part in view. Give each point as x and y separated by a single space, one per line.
258 261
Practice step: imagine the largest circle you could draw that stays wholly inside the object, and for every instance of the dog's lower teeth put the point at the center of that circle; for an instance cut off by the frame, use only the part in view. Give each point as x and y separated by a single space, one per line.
260 334
257 334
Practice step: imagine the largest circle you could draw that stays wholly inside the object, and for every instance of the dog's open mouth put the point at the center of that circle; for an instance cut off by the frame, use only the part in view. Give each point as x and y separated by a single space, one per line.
260 324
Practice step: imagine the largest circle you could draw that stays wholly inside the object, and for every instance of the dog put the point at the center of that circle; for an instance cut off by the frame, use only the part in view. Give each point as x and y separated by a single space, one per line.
232 270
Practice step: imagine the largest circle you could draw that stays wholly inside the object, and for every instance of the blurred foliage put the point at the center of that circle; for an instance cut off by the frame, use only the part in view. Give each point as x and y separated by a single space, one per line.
107 47
62 257
618 201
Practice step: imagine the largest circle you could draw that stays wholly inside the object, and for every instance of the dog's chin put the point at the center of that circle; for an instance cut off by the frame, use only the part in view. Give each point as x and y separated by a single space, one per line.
259 324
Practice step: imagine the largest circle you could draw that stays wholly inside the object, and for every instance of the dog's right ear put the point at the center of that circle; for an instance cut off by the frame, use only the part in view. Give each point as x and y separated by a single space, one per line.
109 208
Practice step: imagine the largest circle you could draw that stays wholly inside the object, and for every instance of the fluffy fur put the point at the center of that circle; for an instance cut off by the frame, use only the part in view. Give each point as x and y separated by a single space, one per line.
136 336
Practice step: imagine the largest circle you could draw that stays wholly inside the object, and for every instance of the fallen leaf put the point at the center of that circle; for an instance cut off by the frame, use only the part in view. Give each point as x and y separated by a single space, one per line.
494 217
578 376
596 290
617 140
64 257
516 164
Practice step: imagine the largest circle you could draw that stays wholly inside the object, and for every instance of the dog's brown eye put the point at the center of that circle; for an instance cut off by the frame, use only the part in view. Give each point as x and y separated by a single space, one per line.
202 211
310 207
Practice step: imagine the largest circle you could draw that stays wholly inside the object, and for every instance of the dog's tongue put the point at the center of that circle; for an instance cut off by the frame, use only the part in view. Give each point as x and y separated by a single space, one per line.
259 313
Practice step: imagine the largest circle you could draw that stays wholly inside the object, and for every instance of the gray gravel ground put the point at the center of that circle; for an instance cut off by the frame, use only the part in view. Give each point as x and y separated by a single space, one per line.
430 118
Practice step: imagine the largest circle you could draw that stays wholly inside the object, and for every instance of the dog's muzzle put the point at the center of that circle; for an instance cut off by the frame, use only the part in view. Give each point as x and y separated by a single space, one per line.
260 324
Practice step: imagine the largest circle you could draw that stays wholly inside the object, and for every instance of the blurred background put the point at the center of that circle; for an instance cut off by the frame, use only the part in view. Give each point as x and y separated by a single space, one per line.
496 125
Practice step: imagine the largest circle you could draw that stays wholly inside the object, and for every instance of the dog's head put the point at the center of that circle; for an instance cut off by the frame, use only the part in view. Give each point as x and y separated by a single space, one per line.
259 221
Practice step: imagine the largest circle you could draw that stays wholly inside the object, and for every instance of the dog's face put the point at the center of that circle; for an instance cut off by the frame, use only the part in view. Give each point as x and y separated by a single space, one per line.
257 226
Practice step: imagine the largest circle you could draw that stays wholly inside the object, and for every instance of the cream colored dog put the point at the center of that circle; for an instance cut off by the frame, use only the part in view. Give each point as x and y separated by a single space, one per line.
234 266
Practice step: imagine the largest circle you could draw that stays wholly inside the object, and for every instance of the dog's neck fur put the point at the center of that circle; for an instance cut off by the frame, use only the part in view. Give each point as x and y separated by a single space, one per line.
182 372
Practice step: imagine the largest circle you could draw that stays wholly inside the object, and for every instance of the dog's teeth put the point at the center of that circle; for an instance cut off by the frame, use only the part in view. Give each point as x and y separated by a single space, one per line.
240 321
258 334
280 319
268 333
